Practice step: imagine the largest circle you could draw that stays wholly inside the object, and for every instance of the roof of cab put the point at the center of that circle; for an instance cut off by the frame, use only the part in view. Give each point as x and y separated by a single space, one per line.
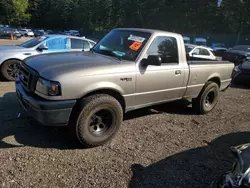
147 30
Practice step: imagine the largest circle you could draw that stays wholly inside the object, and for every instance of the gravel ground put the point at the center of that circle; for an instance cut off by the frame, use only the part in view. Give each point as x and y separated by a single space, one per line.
163 146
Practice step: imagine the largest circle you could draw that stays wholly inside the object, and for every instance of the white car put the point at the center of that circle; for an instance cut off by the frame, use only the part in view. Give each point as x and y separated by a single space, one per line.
27 32
91 42
200 52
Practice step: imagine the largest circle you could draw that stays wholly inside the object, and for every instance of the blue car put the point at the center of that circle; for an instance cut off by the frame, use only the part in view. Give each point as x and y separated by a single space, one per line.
11 56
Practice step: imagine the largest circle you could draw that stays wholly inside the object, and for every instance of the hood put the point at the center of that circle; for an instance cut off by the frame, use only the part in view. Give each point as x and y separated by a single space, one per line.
11 47
238 52
73 63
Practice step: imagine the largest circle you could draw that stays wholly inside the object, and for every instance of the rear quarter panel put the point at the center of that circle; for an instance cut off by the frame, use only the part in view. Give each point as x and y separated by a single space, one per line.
203 71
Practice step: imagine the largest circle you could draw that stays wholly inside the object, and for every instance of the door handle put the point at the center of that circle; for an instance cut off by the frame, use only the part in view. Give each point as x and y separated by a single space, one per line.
27 54
178 72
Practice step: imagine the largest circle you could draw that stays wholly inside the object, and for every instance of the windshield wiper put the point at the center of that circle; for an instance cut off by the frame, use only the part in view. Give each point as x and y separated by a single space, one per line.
111 53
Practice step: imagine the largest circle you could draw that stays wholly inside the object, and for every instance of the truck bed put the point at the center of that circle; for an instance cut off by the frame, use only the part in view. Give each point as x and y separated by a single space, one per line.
202 71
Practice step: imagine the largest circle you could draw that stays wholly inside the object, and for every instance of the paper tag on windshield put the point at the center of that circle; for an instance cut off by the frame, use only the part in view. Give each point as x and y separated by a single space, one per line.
135 46
136 38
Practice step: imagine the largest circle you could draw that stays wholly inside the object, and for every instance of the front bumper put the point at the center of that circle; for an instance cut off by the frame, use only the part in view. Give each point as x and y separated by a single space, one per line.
54 113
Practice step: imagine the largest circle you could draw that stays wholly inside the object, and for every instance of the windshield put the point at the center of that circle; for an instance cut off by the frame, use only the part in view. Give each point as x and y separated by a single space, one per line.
124 44
33 42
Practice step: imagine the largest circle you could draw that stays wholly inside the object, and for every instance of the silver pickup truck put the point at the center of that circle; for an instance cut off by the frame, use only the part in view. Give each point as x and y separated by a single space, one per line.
128 69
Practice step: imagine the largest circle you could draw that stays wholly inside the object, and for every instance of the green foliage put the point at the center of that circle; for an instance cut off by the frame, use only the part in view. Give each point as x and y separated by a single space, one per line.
190 16
14 12
20 15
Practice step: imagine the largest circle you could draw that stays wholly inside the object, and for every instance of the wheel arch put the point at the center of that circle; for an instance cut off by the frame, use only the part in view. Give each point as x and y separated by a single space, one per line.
109 91
215 79
10 59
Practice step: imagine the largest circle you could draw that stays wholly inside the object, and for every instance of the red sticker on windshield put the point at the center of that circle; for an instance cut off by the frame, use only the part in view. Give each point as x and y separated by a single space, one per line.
135 46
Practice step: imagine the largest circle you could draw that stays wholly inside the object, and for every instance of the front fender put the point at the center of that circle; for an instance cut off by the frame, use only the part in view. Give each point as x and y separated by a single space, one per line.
6 57
102 86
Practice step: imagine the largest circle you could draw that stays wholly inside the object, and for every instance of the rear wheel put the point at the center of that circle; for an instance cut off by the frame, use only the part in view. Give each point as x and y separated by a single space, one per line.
207 99
96 120
10 69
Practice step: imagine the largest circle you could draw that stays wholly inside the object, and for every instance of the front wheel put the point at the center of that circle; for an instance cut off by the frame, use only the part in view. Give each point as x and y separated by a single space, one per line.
96 120
10 69
207 99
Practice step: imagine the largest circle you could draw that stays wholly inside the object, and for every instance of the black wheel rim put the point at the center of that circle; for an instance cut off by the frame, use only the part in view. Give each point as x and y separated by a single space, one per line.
13 70
101 122
209 100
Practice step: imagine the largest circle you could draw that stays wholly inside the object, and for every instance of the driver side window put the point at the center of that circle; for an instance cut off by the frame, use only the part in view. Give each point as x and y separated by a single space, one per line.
196 51
166 48
57 43
204 52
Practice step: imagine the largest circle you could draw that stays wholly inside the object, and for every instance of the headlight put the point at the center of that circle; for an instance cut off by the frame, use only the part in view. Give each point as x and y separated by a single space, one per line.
236 68
49 88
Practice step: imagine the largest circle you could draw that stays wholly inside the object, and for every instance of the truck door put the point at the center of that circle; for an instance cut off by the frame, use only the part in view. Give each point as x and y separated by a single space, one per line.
161 83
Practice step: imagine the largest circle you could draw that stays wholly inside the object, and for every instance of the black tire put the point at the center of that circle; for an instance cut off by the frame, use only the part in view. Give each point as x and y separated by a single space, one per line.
87 120
207 99
10 69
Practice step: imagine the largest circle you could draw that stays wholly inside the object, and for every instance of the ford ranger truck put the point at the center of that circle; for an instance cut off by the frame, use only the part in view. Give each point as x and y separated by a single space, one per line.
128 69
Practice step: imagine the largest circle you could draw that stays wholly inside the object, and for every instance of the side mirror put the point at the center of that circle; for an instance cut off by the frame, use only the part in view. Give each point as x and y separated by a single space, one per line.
153 60
42 47
193 54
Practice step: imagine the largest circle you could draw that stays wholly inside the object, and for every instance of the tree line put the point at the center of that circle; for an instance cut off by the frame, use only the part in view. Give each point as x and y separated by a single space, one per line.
185 16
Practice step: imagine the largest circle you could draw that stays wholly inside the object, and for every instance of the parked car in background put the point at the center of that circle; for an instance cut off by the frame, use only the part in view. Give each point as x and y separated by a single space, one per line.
91 42
67 33
50 32
241 72
27 32
12 56
200 41
237 54
127 70
38 33
200 52
5 32
74 33
219 49
218 46
187 40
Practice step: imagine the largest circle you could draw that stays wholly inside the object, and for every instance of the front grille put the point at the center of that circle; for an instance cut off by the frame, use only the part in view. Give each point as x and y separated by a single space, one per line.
28 78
